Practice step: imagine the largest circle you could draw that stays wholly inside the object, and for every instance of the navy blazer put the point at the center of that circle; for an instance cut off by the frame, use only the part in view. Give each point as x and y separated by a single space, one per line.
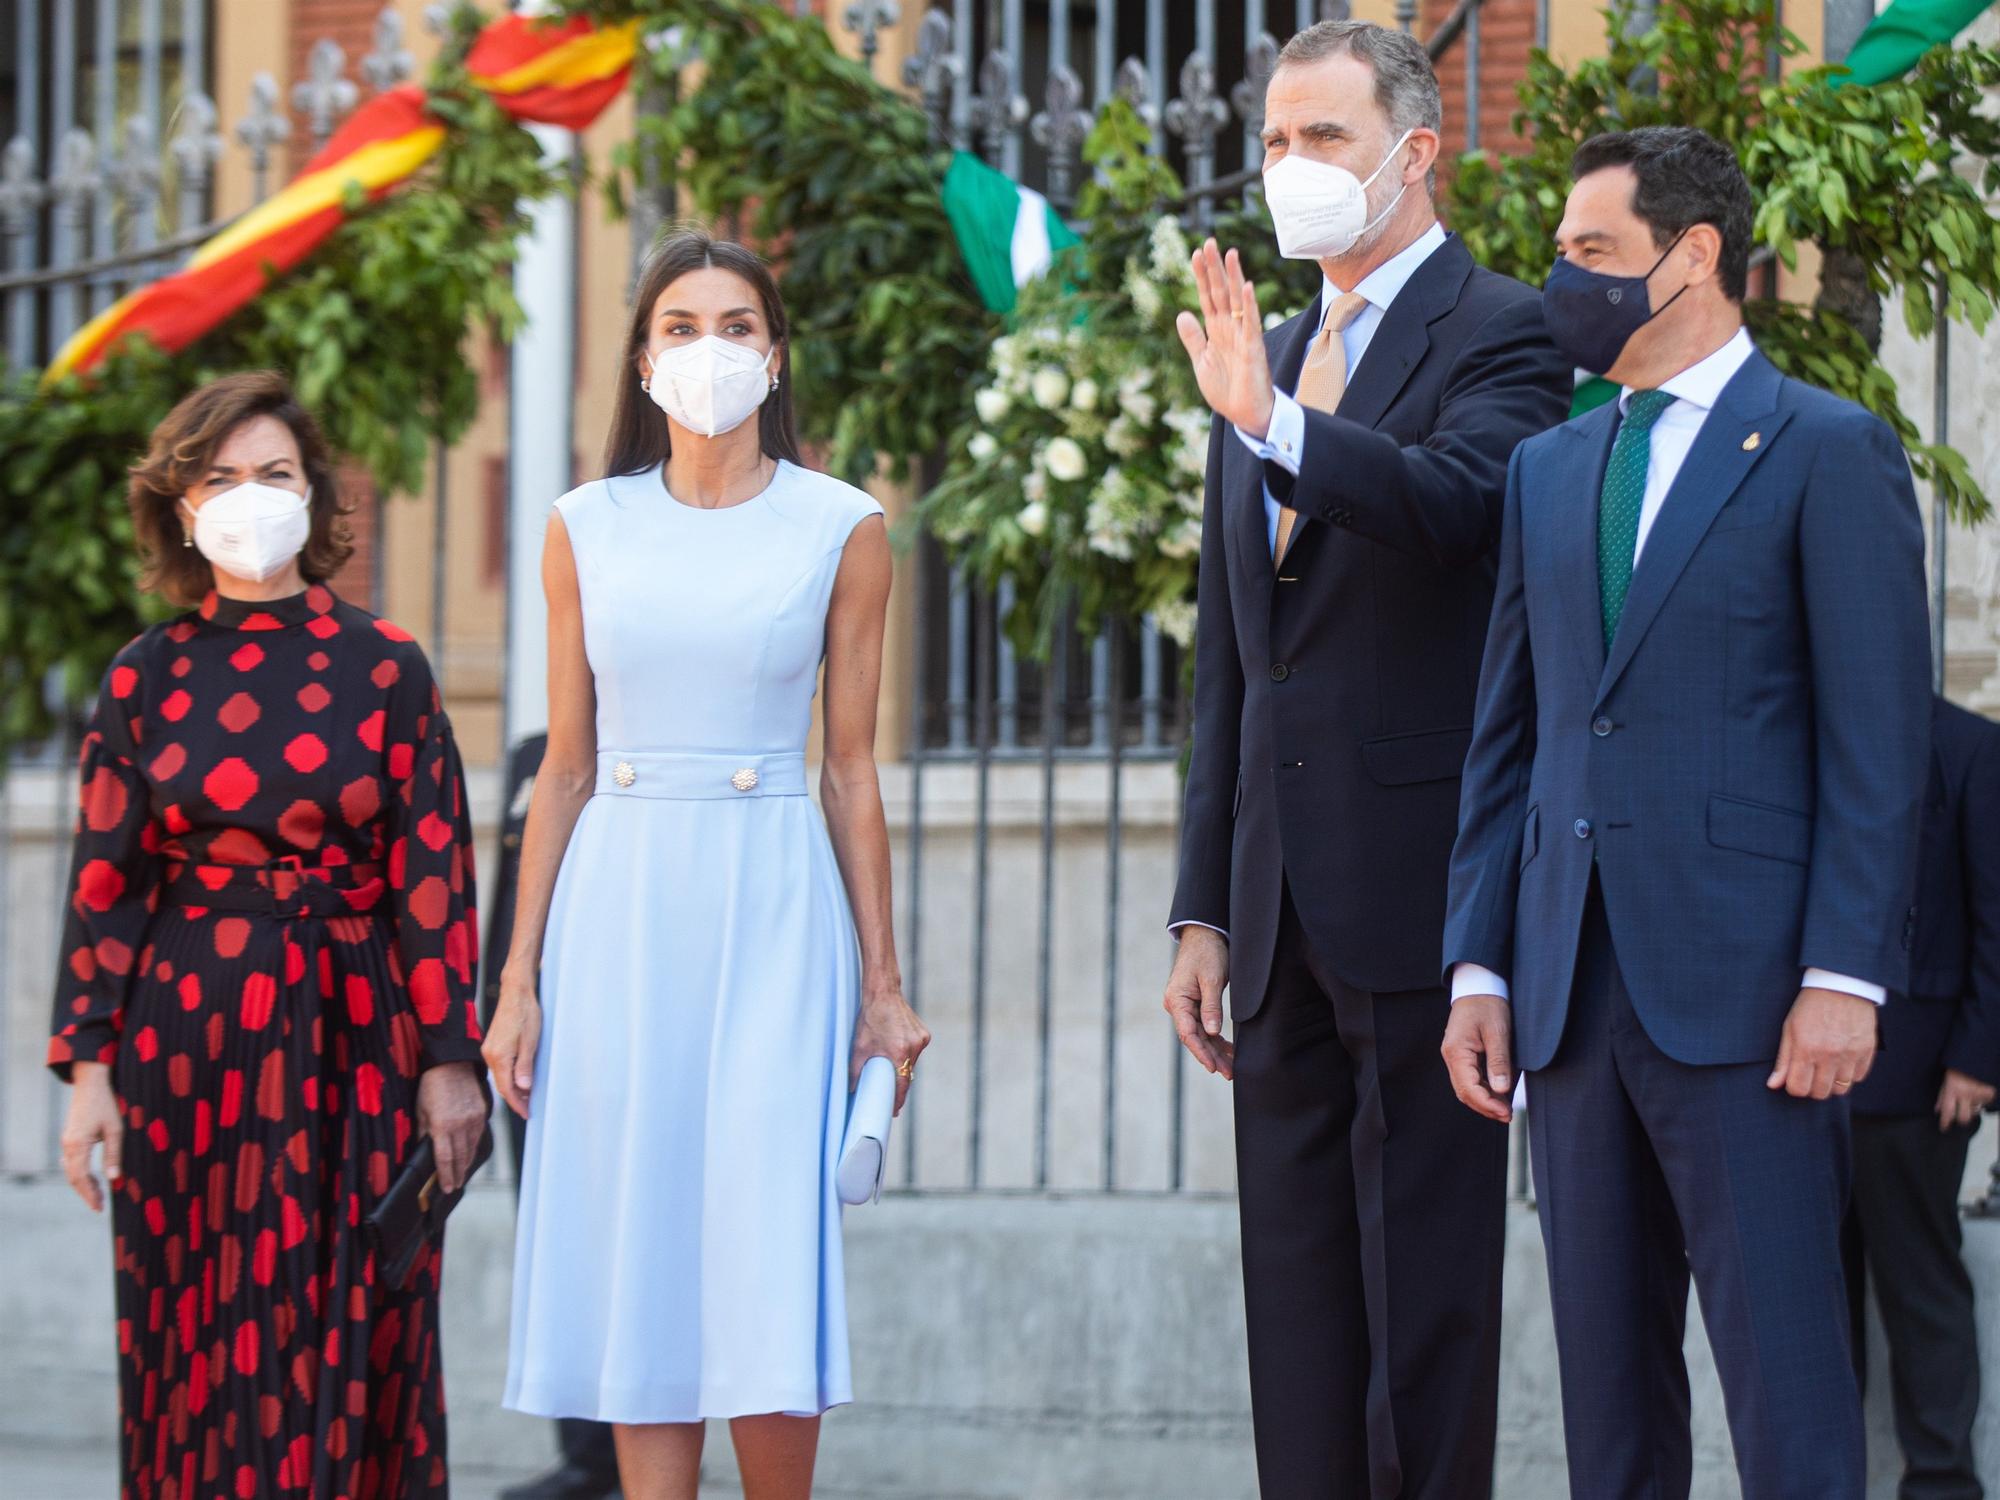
1333 702
1950 1017
1745 765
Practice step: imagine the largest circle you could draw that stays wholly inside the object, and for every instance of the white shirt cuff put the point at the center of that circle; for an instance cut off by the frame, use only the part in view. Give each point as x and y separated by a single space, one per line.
1175 929
1472 979
1823 979
1286 440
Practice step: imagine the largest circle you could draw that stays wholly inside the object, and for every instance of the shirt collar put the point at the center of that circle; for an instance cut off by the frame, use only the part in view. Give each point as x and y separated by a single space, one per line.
1701 383
1381 285
266 614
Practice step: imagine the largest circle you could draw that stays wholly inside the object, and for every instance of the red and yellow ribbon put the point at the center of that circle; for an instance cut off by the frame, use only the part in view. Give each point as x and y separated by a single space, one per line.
561 75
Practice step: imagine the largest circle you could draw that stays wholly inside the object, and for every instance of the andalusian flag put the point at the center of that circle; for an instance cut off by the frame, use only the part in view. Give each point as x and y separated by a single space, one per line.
1007 233
1891 43
562 74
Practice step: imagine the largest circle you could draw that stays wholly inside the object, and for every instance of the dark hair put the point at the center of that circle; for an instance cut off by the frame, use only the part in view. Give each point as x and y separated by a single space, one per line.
1406 86
1685 177
640 437
178 457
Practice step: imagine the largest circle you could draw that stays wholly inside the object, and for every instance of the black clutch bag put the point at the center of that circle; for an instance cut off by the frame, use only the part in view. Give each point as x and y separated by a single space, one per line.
412 1213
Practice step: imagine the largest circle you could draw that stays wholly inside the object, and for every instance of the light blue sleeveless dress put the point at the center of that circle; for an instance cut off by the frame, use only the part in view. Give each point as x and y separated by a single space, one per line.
678 1253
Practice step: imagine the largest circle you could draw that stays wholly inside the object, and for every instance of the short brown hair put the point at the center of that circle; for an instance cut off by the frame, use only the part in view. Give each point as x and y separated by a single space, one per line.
1406 85
178 457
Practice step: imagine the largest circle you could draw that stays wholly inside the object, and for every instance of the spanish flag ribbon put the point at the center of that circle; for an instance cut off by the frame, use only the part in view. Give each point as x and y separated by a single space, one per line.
547 74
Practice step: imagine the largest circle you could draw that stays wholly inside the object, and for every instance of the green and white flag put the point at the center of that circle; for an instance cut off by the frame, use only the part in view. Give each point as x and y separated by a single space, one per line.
1007 233
1890 45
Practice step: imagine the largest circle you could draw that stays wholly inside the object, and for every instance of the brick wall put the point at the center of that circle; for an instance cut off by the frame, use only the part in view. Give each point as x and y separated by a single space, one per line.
1506 35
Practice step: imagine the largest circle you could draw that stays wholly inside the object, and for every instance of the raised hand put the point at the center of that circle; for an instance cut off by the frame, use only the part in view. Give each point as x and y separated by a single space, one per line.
1226 343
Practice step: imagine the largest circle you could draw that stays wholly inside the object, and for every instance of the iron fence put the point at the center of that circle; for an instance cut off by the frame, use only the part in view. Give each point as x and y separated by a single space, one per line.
1038 802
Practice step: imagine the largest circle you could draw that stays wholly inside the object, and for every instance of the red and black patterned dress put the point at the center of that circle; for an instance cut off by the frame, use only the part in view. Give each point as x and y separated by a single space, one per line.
270 935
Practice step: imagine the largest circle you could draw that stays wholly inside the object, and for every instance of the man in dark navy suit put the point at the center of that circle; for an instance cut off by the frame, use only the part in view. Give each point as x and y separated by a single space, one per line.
1917 1112
1352 509
1687 845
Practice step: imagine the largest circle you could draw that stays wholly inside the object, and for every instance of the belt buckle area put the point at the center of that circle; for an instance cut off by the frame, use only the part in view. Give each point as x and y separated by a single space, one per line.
284 880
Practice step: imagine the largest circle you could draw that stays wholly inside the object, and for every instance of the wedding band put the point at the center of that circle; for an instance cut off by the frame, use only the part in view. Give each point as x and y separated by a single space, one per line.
1843 1083
905 1068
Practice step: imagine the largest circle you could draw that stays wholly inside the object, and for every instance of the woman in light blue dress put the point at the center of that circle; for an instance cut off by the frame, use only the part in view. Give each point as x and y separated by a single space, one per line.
714 960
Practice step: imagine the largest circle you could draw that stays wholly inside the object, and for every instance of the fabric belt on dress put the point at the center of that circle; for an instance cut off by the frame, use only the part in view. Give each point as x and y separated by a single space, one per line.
694 774
286 887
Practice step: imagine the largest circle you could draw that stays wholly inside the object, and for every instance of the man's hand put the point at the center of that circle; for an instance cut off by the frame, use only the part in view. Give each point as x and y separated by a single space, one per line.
1961 1099
1194 998
1226 344
1479 1055
1827 1046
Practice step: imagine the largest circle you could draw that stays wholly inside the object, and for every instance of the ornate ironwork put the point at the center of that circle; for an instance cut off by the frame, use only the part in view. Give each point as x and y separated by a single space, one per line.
997 110
1406 14
326 93
866 18
263 127
196 143
389 62
1199 114
1259 63
76 178
20 193
933 70
1135 87
1060 129
135 172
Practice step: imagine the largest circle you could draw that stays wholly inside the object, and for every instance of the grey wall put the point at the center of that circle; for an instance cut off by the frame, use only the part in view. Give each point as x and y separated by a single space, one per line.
1065 1348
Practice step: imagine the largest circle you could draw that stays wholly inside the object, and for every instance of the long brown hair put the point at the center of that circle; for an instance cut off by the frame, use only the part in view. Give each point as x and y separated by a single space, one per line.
640 438
178 457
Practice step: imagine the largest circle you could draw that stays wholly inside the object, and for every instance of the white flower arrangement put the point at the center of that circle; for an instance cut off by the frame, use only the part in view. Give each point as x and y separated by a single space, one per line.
1082 479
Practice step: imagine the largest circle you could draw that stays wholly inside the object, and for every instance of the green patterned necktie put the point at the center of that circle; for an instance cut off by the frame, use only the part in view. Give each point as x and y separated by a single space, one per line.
1623 498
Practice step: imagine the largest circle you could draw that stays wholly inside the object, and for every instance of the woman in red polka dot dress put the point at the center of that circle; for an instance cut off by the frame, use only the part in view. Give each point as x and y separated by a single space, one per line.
267 982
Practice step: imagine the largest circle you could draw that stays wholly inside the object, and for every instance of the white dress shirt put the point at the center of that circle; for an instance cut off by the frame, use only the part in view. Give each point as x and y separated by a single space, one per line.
1286 439
1697 389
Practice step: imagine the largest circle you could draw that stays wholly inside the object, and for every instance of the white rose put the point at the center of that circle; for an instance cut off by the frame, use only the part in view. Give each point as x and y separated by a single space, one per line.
1065 460
1034 518
1124 438
1036 485
1175 620
1050 387
982 446
1083 395
991 404
1139 406
1183 541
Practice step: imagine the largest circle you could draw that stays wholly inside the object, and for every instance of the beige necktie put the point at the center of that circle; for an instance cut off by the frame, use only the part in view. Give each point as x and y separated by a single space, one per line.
1322 379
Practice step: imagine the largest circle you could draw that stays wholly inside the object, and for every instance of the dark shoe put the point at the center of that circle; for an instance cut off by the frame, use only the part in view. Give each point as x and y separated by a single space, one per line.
565 1482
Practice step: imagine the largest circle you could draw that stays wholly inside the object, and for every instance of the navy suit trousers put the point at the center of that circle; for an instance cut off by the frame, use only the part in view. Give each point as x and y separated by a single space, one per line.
1647 1169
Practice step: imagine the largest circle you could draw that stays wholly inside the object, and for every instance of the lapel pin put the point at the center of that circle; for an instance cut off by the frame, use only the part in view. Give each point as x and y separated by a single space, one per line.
1750 443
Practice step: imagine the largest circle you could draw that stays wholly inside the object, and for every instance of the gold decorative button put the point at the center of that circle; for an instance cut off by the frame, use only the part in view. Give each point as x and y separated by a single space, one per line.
1750 443
623 774
744 779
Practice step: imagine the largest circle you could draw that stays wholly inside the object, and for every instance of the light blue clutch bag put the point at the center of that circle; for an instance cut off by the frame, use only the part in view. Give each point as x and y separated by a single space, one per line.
864 1149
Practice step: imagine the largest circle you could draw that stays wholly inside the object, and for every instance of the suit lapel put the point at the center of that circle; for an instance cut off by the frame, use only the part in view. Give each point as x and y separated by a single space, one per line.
1722 456
1404 334
1573 529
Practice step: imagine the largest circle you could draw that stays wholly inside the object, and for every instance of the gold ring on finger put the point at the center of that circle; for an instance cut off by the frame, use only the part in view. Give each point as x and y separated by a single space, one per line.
906 1068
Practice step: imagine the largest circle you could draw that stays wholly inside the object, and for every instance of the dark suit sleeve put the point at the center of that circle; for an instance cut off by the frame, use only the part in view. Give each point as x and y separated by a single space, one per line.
1493 798
1440 498
1861 551
1208 816
1974 1046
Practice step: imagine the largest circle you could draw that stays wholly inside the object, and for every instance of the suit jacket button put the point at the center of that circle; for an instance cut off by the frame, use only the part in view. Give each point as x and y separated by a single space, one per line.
1279 671
1582 828
1601 727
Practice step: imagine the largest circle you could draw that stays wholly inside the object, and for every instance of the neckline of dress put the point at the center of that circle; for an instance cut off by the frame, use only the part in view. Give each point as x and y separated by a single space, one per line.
266 614
659 478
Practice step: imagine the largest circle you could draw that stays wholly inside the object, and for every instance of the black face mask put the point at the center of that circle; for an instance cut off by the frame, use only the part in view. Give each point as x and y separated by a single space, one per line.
1592 316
